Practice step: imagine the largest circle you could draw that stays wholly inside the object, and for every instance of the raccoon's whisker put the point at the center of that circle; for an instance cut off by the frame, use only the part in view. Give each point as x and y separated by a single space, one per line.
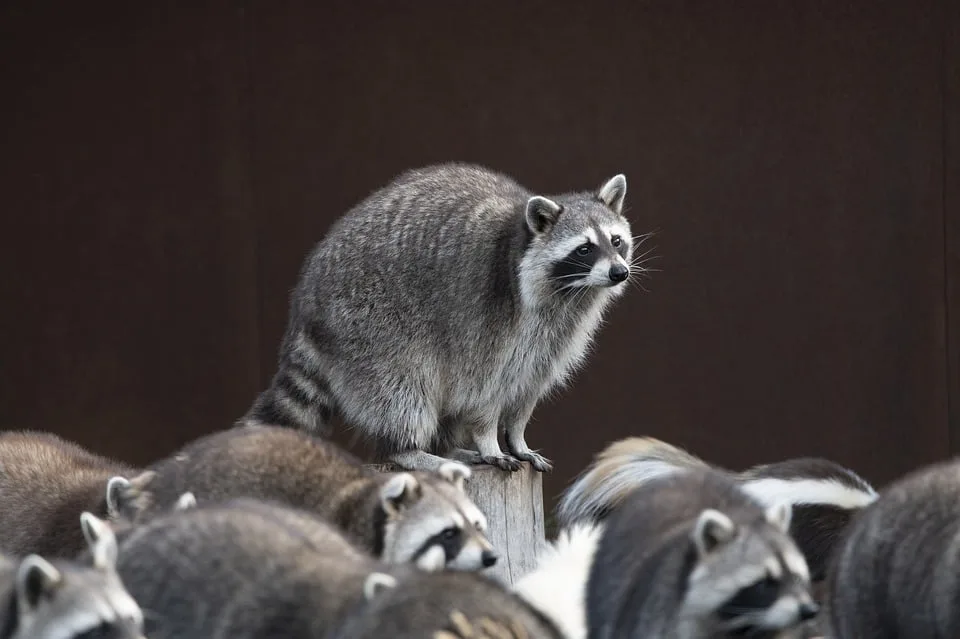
644 254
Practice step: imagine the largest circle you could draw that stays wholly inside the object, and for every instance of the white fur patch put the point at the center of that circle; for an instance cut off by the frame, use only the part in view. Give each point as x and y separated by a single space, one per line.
557 586
808 491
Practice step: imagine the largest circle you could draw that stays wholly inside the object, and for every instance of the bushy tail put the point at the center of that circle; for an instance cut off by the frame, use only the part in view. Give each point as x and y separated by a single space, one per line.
617 470
557 586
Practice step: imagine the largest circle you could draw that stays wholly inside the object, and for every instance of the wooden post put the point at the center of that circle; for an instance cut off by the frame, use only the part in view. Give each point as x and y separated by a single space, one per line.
513 505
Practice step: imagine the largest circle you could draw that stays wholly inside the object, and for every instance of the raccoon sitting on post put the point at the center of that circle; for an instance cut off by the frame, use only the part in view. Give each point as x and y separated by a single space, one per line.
62 599
438 311
421 517
46 482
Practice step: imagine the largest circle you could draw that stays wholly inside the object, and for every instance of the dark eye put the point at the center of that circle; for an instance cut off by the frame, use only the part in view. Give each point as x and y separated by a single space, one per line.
450 533
584 249
616 241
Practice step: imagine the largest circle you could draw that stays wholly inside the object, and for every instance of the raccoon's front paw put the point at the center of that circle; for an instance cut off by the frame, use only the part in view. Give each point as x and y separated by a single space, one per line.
503 462
540 463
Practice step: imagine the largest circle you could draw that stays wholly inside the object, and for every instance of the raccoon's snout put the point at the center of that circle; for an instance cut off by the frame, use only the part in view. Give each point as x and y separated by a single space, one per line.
618 273
488 558
808 610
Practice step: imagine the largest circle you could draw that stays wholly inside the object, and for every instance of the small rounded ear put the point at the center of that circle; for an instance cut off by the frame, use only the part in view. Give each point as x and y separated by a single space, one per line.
780 515
456 473
400 491
127 497
614 192
36 577
433 560
186 502
100 539
377 582
712 529
542 213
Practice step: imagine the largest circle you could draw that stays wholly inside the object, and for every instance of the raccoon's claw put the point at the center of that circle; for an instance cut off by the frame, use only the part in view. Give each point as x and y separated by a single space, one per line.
503 462
540 463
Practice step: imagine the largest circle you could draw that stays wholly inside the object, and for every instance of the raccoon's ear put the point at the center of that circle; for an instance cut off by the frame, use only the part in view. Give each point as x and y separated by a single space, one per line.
400 491
100 539
377 582
712 529
614 192
542 213
127 497
36 577
780 515
185 502
456 473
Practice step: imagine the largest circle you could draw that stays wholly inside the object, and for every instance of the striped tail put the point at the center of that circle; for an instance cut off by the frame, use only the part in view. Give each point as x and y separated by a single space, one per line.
618 470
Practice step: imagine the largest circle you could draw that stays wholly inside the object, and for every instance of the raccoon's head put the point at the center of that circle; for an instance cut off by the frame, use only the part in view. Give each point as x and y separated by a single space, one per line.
430 521
579 241
751 579
67 600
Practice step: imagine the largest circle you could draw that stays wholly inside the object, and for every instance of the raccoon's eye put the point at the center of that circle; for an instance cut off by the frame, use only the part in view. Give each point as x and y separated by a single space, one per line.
450 533
584 249
616 241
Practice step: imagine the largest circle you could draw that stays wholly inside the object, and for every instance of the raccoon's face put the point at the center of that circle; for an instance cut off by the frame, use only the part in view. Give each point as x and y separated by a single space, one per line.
432 523
750 580
579 241
72 601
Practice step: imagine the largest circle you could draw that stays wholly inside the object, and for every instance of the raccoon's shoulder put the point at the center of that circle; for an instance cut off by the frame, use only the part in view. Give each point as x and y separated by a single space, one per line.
458 174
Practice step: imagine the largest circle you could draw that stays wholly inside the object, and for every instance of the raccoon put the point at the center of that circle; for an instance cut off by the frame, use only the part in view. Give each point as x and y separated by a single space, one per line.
825 496
894 574
66 599
45 484
686 556
443 604
439 311
421 517
244 569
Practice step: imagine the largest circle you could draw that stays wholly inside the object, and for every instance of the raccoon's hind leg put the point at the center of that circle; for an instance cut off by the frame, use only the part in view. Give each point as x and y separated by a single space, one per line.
513 423
485 439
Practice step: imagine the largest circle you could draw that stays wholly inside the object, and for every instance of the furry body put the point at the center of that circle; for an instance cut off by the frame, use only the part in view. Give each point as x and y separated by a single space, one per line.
438 311
441 605
396 516
824 495
896 573
62 599
242 569
45 484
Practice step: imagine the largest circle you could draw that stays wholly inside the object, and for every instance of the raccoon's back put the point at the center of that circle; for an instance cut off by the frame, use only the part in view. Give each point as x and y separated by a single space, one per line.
897 572
238 570
424 603
45 484
439 237
265 462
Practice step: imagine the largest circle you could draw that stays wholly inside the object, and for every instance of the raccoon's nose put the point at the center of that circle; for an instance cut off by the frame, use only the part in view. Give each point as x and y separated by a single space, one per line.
808 611
619 272
488 558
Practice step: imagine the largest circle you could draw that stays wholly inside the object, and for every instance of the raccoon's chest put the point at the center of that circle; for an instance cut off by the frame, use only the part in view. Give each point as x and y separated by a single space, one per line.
542 352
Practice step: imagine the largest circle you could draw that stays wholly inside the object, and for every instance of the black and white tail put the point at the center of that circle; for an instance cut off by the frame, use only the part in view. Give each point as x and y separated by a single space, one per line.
617 470
299 395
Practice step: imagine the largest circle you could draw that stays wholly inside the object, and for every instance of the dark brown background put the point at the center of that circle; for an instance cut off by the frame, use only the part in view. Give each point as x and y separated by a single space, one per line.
163 172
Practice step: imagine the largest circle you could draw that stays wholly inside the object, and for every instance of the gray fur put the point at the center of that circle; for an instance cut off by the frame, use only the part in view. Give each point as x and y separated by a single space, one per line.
446 605
62 599
679 550
897 573
432 317
46 482
825 495
400 517
243 569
